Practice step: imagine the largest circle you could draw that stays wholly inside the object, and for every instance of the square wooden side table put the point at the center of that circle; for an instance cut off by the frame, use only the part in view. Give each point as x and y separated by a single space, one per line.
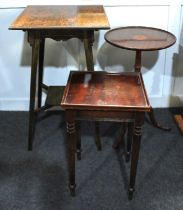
105 96
58 23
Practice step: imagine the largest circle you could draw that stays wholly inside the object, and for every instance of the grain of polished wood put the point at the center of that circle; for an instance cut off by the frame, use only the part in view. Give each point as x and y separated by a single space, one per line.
99 90
140 38
55 17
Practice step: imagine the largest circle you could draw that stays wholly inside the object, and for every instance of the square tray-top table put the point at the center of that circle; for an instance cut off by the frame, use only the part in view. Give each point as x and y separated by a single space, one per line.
99 101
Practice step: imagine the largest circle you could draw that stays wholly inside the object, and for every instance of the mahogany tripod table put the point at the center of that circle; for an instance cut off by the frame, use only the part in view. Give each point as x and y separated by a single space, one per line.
139 39
58 23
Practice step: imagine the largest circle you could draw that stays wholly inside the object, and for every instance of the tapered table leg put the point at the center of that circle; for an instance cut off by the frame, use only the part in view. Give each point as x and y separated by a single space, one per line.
121 138
97 136
78 141
71 140
129 141
40 71
135 154
34 64
88 43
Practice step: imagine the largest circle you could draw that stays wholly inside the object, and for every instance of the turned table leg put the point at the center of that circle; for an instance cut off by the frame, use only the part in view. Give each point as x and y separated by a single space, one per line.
135 153
129 141
78 141
71 141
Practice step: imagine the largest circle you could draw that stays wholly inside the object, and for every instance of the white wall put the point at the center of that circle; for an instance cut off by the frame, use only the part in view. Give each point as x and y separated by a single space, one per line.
161 70
177 91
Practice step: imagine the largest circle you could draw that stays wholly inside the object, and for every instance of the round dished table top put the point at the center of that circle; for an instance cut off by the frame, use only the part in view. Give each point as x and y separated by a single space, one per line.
140 38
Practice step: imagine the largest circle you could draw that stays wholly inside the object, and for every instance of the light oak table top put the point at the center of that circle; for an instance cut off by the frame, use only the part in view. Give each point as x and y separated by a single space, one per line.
58 17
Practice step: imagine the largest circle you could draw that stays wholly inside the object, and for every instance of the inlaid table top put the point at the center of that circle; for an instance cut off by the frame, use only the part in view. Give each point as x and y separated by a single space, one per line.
57 17
95 90
140 38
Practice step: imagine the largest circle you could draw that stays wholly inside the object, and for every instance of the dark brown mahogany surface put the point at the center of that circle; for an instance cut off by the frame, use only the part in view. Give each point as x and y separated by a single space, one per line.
101 90
140 38
103 96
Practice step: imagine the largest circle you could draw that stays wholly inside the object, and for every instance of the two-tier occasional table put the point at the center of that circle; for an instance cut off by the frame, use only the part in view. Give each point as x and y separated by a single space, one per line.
139 39
58 23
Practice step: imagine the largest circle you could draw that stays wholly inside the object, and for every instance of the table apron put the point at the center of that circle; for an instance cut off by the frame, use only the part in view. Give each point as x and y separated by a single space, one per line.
61 34
119 116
